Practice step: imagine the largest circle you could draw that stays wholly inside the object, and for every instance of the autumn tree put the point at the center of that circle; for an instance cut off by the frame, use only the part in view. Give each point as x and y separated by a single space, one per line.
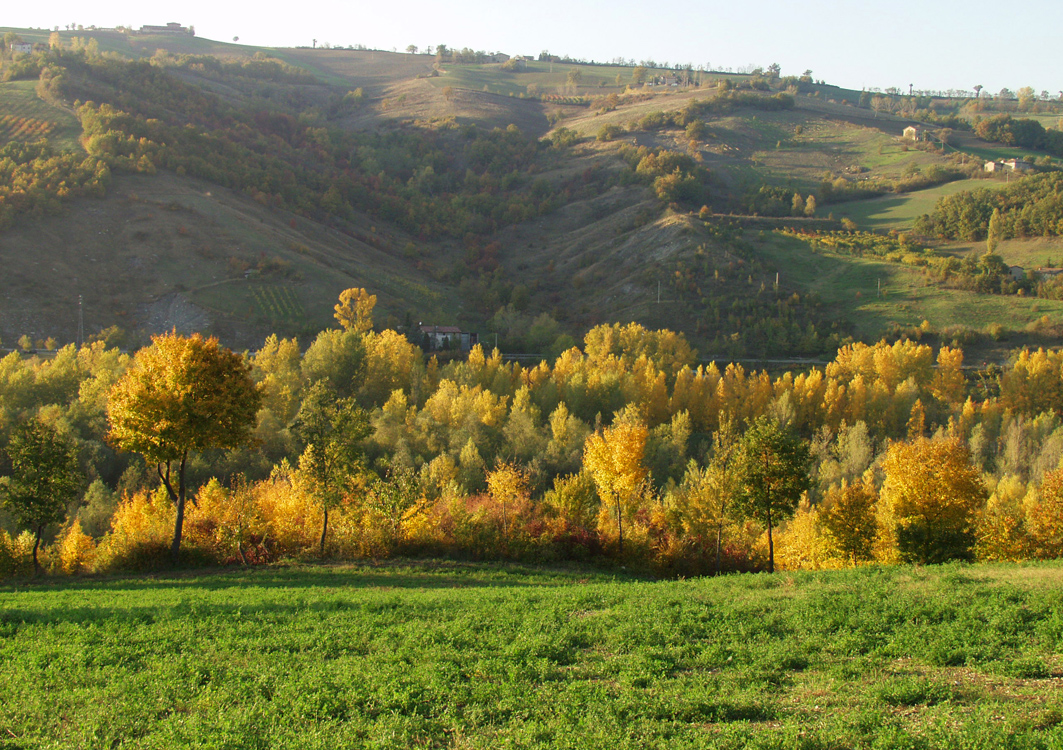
772 468
995 232
933 495
354 311
45 477
613 456
182 395
395 499
332 430
508 486
1045 517
706 493
848 519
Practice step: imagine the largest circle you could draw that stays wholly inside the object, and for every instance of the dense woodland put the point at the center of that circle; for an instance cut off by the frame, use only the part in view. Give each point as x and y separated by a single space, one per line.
623 450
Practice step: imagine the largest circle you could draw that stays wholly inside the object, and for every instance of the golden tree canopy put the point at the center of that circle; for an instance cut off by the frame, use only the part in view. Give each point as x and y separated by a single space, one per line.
355 310
933 493
182 394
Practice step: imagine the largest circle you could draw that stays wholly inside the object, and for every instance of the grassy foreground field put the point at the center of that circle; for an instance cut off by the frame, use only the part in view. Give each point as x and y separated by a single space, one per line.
449 655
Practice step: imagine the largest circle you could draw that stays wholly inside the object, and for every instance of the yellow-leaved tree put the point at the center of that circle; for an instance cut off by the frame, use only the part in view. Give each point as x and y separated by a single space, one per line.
508 486
703 498
182 395
355 310
1045 518
848 520
933 494
613 456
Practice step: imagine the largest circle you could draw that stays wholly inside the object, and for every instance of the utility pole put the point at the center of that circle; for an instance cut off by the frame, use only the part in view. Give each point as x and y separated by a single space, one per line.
658 292
81 323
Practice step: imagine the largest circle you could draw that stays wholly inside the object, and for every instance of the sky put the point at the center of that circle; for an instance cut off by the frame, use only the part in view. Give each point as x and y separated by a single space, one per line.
935 45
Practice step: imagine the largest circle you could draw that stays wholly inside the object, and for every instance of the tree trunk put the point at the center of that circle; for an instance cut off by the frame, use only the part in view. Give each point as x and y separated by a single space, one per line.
719 544
324 532
178 499
620 526
505 529
771 546
37 546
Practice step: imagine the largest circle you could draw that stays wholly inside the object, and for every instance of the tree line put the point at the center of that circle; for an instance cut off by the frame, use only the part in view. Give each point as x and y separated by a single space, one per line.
625 449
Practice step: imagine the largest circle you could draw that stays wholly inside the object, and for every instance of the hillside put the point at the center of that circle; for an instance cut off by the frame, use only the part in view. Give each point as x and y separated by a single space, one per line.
484 194
433 654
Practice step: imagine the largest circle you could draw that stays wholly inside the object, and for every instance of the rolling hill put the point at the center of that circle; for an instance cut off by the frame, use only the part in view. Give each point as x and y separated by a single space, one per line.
489 195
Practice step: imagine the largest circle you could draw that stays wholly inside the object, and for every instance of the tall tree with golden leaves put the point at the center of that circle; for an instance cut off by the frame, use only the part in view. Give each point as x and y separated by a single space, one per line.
355 310
182 395
933 493
613 457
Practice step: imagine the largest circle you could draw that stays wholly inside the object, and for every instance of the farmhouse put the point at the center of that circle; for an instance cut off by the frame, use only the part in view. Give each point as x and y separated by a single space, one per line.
24 48
170 28
1010 165
915 133
447 337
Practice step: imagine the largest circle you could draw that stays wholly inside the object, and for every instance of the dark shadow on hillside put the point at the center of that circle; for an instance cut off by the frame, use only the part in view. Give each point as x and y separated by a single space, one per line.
881 205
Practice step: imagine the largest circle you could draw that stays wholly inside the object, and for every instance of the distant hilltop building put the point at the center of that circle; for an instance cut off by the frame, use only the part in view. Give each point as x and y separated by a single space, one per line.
170 28
1010 165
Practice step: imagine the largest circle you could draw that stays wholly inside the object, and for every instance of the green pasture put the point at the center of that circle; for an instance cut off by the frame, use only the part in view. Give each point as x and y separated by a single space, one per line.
907 298
487 656
901 210
1034 252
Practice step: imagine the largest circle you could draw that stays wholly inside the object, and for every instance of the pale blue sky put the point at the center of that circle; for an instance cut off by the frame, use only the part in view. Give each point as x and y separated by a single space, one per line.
943 44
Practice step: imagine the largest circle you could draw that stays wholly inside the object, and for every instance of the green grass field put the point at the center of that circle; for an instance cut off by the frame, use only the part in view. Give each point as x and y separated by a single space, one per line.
901 211
477 656
851 286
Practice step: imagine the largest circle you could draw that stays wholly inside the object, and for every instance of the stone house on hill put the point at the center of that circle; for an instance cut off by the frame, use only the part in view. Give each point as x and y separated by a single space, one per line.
447 337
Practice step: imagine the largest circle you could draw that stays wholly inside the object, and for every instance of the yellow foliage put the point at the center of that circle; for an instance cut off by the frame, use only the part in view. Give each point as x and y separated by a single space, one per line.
16 554
934 495
1001 531
849 521
1033 384
392 363
1045 518
949 383
613 457
355 310
141 531
292 517
76 550
802 545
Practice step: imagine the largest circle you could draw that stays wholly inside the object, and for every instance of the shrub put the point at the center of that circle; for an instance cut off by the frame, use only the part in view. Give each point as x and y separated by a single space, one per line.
77 550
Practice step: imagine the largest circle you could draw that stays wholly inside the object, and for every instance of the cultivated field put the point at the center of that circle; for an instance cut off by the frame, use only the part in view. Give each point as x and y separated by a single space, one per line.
477 656
26 118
